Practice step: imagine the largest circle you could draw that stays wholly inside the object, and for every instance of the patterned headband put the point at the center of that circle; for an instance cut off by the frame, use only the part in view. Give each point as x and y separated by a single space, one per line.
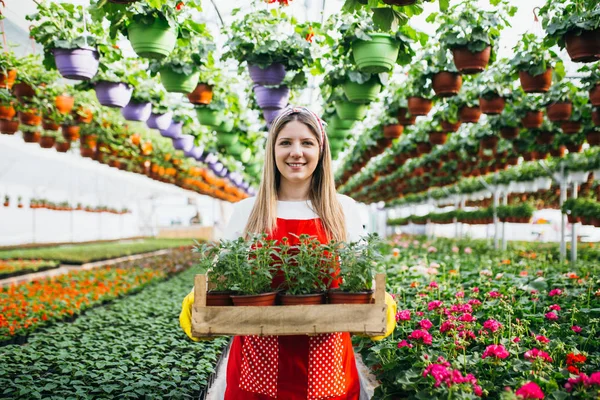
296 110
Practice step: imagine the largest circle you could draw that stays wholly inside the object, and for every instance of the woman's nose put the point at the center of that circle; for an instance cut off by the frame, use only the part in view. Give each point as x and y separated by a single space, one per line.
296 150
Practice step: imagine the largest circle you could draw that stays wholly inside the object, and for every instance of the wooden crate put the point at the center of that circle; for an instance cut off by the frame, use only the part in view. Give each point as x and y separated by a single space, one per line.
367 319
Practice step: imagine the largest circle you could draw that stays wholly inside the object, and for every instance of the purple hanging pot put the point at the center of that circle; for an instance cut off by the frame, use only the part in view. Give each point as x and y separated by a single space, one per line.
113 94
272 98
194 152
245 186
270 115
184 142
173 131
272 75
211 159
78 64
198 153
159 121
216 167
223 173
137 111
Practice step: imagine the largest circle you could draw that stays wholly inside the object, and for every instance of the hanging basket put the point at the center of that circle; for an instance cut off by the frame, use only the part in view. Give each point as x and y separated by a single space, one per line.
202 94
509 133
209 117
437 138
559 111
405 118
159 121
362 93
470 63
31 118
448 126
155 41
376 55
584 47
393 131
270 114
77 64
595 95
533 119
137 111
574 147
272 97
23 91
493 106
536 84
70 132
113 94
544 137
175 82
272 75
592 137
446 84
49 125
570 127
47 142
7 112
32 137
469 114
489 142
8 80
9 127
226 139
419 106
351 111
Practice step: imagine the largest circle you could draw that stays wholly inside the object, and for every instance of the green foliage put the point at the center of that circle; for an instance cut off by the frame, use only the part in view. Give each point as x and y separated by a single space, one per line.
533 56
304 265
359 262
560 17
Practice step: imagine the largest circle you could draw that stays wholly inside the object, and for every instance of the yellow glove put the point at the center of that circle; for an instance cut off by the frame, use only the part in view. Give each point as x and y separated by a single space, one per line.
392 309
185 318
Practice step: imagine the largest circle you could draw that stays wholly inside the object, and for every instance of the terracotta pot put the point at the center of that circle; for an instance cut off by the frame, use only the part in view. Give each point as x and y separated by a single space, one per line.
574 148
292 300
7 81
584 47
533 119
419 106
62 147
489 142
50 125
87 152
536 84
570 127
218 299
544 137
203 94
86 118
450 127
509 133
471 63
595 95
70 132
32 137
31 118
22 91
446 84
404 118
529 156
592 137
559 152
7 112
436 138
512 160
64 104
263 299
392 131
47 142
423 148
8 127
596 116
89 141
493 106
469 114
559 111
340 297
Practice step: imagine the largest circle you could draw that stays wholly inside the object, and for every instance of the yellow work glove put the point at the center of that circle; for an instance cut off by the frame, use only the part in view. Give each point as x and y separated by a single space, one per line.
392 309
185 318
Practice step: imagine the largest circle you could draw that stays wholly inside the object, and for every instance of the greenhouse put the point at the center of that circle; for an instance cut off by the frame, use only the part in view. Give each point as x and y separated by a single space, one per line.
300 199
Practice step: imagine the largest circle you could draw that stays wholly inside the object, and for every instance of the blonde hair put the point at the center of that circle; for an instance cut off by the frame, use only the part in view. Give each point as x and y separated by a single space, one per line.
322 193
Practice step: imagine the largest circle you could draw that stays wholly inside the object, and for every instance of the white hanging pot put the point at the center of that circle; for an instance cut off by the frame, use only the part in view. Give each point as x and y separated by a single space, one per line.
543 183
578 176
529 187
596 174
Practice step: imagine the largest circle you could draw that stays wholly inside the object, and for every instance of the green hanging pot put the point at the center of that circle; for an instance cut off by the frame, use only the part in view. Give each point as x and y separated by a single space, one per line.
226 139
336 145
376 55
362 92
225 126
352 111
338 123
236 149
338 134
207 116
156 40
174 82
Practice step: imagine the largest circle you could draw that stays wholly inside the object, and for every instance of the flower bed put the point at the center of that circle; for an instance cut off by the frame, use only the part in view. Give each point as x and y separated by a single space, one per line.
84 253
133 348
9 268
29 306
474 323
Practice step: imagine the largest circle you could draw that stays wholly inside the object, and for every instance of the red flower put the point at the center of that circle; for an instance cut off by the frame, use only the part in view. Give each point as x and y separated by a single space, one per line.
573 369
179 6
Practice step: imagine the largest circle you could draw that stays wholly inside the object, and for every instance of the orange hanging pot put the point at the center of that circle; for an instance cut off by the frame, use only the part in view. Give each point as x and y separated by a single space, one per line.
64 104
7 112
8 80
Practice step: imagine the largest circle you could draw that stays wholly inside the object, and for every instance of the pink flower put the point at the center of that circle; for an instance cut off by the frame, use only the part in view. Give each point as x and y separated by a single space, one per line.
474 302
542 339
572 382
433 285
555 307
555 292
434 265
447 326
454 249
594 379
420 313
496 351
403 315
477 390
576 328
493 294
431 249
468 250
425 324
475 289
422 335
492 325
404 343
466 317
551 316
460 295
530 391
534 353
434 305
516 339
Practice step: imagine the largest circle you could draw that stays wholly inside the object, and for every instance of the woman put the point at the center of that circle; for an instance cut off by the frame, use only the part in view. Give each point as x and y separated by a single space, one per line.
297 195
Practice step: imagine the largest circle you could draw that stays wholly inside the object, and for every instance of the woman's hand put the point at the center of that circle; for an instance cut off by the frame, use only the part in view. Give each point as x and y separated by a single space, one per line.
392 309
185 318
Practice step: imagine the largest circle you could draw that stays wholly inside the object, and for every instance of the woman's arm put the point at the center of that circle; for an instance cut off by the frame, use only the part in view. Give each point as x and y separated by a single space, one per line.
239 219
354 225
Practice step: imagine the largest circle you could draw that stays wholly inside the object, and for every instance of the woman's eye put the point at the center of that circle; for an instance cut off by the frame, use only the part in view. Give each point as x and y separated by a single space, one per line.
308 143
284 143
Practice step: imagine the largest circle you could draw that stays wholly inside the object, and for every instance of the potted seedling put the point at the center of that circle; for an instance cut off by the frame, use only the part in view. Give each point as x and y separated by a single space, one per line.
448 115
445 79
591 82
493 89
559 101
218 270
469 111
419 91
9 65
535 63
528 109
7 109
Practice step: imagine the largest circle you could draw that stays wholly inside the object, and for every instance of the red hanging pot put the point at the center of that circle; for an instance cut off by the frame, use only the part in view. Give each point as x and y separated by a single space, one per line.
437 138
419 106
8 80
405 118
574 148
559 111
595 95
47 142
50 125
593 138
544 137
536 84
64 104
448 126
493 106
533 119
7 112
469 114
70 132
22 91
446 84
570 127
203 94
489 142
392 131
31 118
9 127
468 62
584 47
32 137
509 133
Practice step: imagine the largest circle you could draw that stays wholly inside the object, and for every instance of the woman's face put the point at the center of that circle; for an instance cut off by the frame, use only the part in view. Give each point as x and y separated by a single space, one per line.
296 152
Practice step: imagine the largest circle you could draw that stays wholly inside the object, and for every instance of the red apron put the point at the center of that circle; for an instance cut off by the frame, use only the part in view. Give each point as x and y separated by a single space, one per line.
293 367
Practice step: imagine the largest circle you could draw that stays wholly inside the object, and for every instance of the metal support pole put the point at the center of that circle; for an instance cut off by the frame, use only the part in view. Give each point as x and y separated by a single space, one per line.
505 203
574 229
455 220
461 225
495 203
563 217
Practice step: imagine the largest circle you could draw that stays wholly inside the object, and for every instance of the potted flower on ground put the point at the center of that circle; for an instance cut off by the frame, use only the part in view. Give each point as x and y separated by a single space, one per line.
574 25
9 65
535 64
68 46
471 33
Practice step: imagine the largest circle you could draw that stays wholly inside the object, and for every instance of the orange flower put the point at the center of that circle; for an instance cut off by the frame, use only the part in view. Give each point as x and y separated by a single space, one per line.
414 284
506 261
135 139
310 35
147 148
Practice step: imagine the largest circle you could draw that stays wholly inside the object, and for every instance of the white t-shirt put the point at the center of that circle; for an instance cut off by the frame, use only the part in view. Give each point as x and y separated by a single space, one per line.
295 210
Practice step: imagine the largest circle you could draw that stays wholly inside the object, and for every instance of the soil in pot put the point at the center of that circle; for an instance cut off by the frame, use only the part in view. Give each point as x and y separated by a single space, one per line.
8 80
405 118
533 119
450 127
585 47
296 300
203 94
218 298
468 62
536 84
341 297
559 111
493 106
263 299
446 84
419 106
570 127
469 114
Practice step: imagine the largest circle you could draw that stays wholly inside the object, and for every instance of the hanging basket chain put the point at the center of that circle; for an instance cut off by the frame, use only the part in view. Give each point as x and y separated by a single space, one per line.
2 27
